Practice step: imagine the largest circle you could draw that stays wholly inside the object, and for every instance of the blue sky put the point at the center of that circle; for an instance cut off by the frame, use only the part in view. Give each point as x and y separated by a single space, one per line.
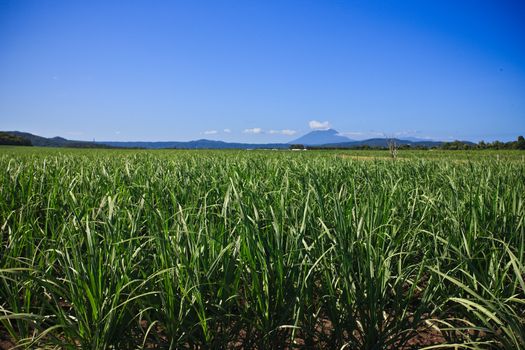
262 71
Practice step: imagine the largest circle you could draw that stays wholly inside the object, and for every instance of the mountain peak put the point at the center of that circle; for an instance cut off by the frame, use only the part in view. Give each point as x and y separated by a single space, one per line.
320 137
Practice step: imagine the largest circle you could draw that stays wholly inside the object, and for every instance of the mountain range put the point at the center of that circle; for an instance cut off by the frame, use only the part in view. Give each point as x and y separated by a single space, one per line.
56 141
319 138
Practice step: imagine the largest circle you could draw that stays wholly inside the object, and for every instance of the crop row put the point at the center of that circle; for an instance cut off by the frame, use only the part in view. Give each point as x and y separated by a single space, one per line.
260 250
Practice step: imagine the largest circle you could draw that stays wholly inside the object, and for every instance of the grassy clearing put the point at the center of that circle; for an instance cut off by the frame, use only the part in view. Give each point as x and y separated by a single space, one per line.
236 249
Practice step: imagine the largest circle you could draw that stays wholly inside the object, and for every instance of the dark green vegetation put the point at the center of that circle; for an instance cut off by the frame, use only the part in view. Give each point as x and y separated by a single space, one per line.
53 141
13 140
497 145
383 144
226 249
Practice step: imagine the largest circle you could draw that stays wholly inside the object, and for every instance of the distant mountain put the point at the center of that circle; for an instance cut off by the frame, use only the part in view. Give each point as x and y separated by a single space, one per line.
211 144
13 140
54 141
196 144
321 137
382 143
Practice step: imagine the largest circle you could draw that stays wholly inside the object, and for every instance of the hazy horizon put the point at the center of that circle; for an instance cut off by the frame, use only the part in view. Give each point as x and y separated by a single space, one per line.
262 72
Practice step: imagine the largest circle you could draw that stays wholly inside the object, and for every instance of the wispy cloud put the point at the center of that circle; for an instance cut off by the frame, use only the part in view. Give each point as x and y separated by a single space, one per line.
351 133
414 134
317 125
227 130
287 132
253 131
210 132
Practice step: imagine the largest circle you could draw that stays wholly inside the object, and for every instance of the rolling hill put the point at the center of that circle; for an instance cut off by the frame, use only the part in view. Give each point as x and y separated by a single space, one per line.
56 141
319 138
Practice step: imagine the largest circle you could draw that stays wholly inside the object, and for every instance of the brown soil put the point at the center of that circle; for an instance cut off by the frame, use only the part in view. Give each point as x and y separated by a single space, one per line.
424 337
5 340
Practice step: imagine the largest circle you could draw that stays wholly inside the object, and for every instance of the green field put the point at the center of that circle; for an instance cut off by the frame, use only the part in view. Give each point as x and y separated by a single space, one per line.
129 249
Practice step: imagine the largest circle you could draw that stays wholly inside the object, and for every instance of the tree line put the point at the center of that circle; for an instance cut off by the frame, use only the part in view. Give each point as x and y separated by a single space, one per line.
13 140
459 145
454 145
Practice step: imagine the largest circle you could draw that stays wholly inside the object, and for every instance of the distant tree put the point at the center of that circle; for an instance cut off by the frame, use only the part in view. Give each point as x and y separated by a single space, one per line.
498 144
392 147
297 146
520 144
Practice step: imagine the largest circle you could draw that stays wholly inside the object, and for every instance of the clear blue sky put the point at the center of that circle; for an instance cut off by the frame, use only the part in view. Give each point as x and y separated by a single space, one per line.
261 71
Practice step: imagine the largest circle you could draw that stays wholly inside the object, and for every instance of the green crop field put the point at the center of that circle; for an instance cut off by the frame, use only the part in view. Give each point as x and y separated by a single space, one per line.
127 249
